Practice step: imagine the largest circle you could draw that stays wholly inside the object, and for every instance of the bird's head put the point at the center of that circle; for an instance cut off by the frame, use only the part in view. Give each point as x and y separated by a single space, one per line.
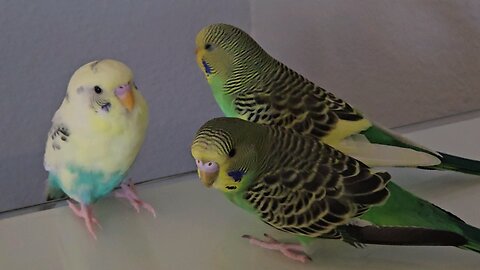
225 154
224 51
105 86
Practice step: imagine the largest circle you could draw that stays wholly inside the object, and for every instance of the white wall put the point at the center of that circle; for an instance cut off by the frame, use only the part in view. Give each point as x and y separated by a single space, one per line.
398 61
43 42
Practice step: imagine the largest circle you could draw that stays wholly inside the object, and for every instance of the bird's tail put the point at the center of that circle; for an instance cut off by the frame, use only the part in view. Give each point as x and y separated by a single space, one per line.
473 236
53 193
455 163
401 236
412 236
429 223
382 136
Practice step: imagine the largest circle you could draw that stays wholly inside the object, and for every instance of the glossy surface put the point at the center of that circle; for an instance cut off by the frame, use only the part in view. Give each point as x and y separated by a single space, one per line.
197 228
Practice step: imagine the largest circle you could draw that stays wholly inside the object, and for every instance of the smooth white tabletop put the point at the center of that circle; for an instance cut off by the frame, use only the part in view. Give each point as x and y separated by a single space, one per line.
197 228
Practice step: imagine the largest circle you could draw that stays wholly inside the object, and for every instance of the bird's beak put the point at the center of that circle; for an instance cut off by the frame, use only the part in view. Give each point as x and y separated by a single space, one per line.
207 178
199 53
125 95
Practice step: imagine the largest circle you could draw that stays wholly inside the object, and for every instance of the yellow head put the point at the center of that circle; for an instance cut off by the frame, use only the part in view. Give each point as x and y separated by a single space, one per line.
105 86
226 153
221 49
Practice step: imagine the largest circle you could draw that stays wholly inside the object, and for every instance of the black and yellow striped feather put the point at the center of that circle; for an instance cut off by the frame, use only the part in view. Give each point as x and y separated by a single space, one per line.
299 184
250 84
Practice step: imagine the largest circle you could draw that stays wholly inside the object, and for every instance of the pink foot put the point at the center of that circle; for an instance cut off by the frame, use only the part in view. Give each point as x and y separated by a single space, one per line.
128 192
85 212
292 251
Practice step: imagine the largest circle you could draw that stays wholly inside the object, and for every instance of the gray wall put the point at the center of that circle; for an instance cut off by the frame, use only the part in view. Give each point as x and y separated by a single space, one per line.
399 61
43 42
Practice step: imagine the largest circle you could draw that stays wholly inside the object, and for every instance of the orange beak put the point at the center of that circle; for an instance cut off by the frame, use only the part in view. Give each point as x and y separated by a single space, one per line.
207 178
125 95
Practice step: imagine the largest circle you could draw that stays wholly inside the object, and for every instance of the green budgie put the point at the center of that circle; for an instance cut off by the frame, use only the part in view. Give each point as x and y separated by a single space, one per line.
248 83
302 186
95 136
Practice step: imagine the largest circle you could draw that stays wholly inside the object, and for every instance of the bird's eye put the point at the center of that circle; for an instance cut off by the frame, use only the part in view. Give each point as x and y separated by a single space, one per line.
232 152
208 47
208 166
97 89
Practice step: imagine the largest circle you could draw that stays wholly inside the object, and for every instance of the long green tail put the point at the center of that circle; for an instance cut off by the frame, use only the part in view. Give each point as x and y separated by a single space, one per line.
405 209
449 162
473 236
459 164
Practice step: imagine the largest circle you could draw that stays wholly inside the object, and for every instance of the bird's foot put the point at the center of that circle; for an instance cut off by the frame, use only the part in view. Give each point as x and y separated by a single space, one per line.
293 251
85 212
128 192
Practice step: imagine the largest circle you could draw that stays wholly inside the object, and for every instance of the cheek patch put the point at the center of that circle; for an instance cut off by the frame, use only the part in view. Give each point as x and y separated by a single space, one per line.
207 68
236 175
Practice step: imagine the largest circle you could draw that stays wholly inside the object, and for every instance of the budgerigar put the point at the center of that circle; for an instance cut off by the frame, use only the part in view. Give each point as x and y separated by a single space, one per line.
302 186
250 84
95 136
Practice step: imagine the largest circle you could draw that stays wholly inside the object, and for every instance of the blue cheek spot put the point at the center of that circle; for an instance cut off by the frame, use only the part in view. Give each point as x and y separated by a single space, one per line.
207 68
236 175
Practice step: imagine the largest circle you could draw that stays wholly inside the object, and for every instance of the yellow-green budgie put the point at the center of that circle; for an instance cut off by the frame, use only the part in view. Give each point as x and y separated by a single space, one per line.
95 137
250 84
304 187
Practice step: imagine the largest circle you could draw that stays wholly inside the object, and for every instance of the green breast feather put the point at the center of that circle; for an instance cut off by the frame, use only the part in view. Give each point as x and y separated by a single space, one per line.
225 102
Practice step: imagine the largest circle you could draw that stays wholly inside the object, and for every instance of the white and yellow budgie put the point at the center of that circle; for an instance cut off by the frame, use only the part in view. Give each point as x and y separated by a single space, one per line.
95 136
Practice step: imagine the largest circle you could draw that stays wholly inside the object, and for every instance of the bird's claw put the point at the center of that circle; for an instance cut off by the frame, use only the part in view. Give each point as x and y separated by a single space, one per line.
128 192
293 251
85 212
